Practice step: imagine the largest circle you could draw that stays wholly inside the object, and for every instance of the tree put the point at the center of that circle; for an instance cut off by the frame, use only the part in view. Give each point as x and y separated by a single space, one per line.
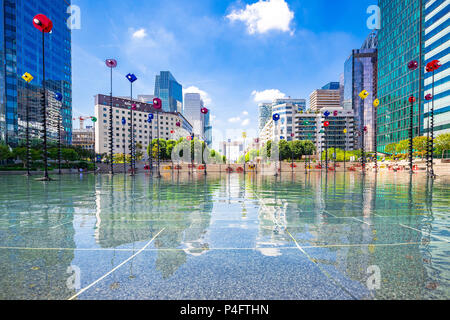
420 145
5 152
297 149
69 155
391 149
442 143
402 147
21 154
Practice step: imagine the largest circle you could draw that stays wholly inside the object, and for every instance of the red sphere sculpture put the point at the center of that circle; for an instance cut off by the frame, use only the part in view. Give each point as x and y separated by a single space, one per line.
43 23
413 65
204 110
412 99
178 124
133 107
433 65
111 63
429 97
157 103
326 124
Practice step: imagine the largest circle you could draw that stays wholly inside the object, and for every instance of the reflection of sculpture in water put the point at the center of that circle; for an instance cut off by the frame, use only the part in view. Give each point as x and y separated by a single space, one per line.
137 212
38 274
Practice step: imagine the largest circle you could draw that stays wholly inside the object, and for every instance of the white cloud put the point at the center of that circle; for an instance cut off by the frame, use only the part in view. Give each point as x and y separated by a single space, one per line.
234 120
245 123
264 16
139 34
245 113
203 94
267 95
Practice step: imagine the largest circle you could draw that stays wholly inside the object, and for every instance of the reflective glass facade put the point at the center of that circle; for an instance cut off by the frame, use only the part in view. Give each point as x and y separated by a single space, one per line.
20 52
437 47
360 73
265 114
398 44
169 91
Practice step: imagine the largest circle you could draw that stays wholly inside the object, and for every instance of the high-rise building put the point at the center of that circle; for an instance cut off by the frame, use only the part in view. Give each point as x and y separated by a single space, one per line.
208 130
361 73
325 98
331 86
169 91
437 47
20 52
265 114
399 42
193 104
299 104
284 127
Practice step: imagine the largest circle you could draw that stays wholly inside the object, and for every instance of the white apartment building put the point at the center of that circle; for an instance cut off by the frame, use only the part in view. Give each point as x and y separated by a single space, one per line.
142 129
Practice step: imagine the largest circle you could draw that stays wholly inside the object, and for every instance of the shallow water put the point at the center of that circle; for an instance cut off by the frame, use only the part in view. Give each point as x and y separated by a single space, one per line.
316 236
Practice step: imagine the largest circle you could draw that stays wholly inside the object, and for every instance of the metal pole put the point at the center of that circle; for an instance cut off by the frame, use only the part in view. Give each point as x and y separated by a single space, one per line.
111 130
59 142
95 153
411 134
132 131
159 160
432 133
28 132
44 110
326 149
375 140
151 147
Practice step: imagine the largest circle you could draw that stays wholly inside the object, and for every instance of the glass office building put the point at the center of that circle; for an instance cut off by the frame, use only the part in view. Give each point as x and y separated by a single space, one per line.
208 130
265 114
360 73
399 42
437 47
169 91
20 52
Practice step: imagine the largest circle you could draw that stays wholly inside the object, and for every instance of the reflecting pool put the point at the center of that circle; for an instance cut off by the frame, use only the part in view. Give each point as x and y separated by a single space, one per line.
315 236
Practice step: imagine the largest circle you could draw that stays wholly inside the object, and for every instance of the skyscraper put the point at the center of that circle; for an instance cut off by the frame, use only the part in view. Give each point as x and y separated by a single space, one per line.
437 44
361 73
20 52
169 91
265 114
193 104
208 129
399 42
325 98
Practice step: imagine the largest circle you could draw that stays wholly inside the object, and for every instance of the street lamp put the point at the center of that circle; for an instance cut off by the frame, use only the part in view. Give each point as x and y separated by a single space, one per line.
157 104
44 25
432 67
59 97
28 78
276 118
132 78
412 66
149 120
111 64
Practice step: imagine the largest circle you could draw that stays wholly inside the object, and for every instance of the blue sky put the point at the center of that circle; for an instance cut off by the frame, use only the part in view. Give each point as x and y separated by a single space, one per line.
236 52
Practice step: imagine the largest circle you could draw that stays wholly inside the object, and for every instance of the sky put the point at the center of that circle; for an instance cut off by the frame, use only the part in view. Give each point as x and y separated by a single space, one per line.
235 53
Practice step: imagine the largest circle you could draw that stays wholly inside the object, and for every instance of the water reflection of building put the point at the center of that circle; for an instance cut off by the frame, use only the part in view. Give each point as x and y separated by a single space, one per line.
37 273
353 224
137 210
